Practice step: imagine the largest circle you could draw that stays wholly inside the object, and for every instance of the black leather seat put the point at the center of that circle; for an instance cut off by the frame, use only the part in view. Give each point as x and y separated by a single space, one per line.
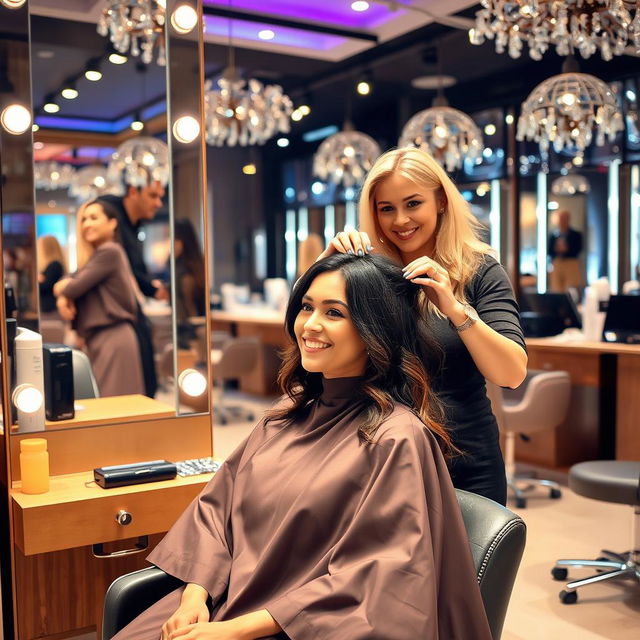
610 481
496 535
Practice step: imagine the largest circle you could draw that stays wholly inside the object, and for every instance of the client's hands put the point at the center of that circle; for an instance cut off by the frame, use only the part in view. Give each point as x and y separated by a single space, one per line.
66 308
226 630
192 609
59 286
352 242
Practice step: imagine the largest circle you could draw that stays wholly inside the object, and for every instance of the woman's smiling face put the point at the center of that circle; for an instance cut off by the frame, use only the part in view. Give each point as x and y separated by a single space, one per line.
407 215
328 340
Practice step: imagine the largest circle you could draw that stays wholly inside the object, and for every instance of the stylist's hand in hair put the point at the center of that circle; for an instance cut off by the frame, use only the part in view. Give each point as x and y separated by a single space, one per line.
353 242
193 609
435 279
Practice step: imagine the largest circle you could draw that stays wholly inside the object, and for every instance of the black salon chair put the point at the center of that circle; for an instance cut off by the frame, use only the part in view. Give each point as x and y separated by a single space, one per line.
611 481
496 536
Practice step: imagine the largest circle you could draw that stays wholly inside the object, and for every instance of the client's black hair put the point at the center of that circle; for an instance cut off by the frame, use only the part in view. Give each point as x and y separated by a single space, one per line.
384 307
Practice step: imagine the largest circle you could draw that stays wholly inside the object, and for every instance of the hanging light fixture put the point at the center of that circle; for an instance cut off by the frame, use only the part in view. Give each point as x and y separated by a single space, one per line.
139 161
135 27
449 135
243 112
570 185
564 110
90 182
52 175
582 25
345 157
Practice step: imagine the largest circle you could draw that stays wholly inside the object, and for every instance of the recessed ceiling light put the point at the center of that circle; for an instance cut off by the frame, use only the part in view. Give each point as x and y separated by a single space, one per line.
116 58
433 82
137 125
490 129
70 93
266 34
282 142
51 107
34 128
363 88
93 74
360 5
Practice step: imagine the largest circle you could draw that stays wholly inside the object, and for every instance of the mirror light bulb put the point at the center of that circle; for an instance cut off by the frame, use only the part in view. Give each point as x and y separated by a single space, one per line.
192 382
12 4
15 119
186 129
27 398
184 18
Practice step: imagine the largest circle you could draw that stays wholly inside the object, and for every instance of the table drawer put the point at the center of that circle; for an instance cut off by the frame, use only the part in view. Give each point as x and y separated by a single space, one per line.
65 525
583 368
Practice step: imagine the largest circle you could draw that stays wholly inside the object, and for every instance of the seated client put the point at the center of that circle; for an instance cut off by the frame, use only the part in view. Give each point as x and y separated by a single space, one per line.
336 518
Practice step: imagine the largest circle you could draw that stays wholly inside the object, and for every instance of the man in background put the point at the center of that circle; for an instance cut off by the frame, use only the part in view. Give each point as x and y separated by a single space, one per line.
136 206
564 248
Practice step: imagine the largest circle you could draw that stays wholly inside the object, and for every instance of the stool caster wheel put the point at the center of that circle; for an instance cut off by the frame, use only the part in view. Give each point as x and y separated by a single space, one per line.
521 503
568 597
554 494
559 573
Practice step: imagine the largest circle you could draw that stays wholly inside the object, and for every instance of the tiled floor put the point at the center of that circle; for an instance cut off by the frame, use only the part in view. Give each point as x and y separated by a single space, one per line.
572 527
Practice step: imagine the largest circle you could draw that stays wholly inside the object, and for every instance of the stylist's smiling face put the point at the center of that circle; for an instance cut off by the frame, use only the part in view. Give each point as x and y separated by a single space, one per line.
407 215
328 340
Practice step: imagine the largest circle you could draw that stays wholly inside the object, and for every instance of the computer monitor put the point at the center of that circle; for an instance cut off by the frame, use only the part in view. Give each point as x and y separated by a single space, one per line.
622 323
547 314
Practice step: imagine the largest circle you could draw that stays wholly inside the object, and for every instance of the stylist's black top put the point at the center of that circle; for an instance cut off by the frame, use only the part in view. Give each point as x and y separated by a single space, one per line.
461 387
53 272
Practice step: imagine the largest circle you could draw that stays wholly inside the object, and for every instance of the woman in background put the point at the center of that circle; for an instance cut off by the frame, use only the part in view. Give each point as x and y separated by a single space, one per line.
100 301
191 296
51 267
411 211
336 518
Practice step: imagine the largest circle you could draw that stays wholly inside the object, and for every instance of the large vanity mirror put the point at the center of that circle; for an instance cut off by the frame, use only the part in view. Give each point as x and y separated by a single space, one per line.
104 229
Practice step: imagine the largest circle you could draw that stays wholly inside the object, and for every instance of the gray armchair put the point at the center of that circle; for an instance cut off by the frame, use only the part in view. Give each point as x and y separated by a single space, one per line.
496 535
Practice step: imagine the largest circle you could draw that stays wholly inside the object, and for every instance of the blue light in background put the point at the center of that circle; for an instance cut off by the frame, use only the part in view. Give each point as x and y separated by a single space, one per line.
319 134
52 224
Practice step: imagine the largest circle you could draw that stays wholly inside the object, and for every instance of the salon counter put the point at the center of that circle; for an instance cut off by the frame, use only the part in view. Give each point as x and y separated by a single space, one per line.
268 327
605 403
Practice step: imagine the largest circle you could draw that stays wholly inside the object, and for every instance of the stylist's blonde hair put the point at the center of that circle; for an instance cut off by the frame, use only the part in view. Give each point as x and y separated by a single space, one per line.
457 248
48 251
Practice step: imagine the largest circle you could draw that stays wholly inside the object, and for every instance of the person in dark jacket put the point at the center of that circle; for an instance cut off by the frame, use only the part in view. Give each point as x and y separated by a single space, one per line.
136 206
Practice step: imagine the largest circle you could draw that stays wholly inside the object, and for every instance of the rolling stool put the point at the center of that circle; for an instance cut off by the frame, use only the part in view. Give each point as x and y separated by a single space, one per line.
611 481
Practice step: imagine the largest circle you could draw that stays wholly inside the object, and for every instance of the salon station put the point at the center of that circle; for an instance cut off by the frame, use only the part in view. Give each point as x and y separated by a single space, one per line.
170 169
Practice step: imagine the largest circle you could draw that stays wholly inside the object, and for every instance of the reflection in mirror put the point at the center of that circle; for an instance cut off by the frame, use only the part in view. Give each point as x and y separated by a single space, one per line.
103 269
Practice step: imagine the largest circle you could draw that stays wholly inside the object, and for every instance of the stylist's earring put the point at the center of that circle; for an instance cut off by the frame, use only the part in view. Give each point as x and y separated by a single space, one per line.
381 240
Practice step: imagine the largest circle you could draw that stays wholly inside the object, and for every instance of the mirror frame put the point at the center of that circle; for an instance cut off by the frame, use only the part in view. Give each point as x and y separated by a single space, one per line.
188 49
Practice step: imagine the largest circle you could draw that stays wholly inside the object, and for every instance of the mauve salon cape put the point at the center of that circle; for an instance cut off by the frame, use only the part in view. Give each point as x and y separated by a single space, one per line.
337 539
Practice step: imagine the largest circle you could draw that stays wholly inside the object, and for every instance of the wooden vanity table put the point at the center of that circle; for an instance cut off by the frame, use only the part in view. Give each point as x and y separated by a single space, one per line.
60 583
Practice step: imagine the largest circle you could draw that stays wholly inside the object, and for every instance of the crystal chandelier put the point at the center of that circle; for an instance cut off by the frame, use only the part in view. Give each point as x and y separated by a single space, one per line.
563 111
244 112
92 181
52 175
570 185
135 26
140 161
449 135
583 25
345 157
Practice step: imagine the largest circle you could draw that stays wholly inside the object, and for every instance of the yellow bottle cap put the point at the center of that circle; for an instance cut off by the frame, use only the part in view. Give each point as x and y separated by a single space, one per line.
33 444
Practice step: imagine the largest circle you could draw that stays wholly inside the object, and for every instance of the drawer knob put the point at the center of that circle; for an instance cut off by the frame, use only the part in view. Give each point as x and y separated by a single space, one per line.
124 517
